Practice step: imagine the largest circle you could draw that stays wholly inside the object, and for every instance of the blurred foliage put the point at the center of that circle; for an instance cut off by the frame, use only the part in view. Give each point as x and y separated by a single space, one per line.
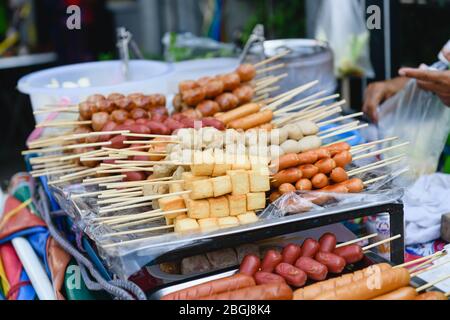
282 19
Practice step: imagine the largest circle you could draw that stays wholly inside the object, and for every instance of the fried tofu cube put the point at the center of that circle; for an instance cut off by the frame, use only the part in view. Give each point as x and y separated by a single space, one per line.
188 178
228 222
237 204
241 163
219 207
181 217
171 204
169 221
201 189
248 218
258 182
198 209
209 225
220 169
256 201
203 163
239 181
175 187
221 186
188 225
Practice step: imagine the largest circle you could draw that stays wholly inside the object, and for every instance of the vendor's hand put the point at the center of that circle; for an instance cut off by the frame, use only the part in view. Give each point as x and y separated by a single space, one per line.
435 81
378 92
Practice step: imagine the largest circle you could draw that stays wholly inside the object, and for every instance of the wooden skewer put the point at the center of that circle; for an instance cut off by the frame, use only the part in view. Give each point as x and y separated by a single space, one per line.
307 112
376 153
139 135
419 270
151 142
263 83
139 216
376 165
139 205
344 126
324 115
373 143
269 60
271 68
53 168
116 234
132 224
342 140
118 193
306 104
338 119
268 90
100 219
69 147
357 240
96 181
47 173
261 98
132 184
130 196
148 198
344 131
56 124
124 170
407 264
433 283
285 97
381 242
62 109
91 194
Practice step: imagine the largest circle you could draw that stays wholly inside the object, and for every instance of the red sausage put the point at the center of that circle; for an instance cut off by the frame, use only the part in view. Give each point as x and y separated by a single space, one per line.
135 176
293 276
118 142
138 113
313 269
291 253
109 126
119 116
351 253
250 265
158 128
271 260
310 248
327 242
334 263
267 278
212 122
173 124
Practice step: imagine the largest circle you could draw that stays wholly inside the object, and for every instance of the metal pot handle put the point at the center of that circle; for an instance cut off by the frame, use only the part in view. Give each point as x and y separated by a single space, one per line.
257 36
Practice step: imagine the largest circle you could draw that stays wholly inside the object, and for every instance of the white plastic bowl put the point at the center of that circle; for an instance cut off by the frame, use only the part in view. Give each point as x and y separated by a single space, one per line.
104 77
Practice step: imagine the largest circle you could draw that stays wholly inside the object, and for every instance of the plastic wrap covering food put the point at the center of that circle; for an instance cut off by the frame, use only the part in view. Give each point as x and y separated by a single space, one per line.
420 117
128 253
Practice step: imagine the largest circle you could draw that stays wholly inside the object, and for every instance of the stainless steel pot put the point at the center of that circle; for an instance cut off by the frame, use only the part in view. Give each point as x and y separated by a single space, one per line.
309 60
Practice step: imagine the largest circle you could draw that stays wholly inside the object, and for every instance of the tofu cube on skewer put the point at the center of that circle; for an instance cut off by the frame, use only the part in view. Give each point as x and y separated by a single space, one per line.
188 225
256 201
228 222
237 204
198 209
240 182
259 182
248 218
219 207
209 224
201 189
221 186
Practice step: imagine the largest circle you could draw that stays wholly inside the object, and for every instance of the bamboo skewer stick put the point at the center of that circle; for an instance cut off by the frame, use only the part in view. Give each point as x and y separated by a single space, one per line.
133 184
407 264
119 193
344 126
144 215
47 173
381 242
435 266
45 169
433 283
62 109
268 90
269 60
132 195
287 96
375 142
139 205
68 147
325 115
132 224
376 153
306 104
124 170
357 240
261 98
56 124
376 165
338 119
261 84
271 68
116 234
143 199
101 219
344 131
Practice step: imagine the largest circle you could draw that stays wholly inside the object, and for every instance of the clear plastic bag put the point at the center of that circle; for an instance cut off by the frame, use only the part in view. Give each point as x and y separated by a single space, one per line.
342 25
421 118
127 254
